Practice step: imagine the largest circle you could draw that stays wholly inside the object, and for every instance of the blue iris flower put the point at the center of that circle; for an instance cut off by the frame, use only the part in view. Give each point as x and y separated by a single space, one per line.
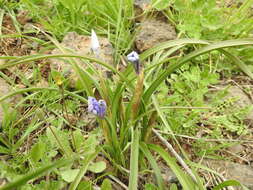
98 108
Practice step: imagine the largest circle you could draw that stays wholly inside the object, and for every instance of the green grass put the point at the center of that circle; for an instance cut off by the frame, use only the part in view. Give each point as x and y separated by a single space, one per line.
47 141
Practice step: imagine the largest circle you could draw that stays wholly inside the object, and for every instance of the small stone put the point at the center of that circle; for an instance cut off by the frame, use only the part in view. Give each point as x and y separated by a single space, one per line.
167 174
4 90
139 7
152 32
236 149
242 99
233 171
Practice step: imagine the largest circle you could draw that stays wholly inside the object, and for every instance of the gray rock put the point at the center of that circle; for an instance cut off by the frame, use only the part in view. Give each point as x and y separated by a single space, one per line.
74 43
4 90
152 32
242 99
233 171
142 4
139 7
236 149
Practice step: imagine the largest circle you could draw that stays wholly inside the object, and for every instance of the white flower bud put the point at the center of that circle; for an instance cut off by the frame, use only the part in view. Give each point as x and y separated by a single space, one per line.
133 57
94 42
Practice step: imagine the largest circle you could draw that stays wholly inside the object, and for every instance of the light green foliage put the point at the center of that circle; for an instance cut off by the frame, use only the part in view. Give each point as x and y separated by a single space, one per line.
189 88
204 19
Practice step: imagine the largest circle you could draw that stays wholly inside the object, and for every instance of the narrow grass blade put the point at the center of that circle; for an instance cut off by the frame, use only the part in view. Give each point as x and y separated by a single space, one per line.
170 44
35 174
185 181
239 63
31 58
82 171
154 165
227 184
133 179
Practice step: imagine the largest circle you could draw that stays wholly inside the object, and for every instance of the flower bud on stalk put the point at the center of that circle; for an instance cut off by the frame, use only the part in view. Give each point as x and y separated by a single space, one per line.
133 57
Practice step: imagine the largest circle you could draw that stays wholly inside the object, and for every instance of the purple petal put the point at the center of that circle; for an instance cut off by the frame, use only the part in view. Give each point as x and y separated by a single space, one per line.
96 107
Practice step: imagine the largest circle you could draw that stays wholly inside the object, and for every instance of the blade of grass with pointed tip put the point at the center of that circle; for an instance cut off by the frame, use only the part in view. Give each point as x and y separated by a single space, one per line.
169 44
133 179
239 63
185 180
228 183
153 164
28 59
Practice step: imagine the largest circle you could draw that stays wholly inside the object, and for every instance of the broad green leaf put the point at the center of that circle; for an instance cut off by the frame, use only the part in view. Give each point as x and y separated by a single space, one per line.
69 175
90 144
97 167
59 139
37 151
78 140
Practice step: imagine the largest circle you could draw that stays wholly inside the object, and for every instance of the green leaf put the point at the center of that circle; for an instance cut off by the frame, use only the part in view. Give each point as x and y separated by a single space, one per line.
97 167
37 151
69 175
78 140
89 146
59 139
106 185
